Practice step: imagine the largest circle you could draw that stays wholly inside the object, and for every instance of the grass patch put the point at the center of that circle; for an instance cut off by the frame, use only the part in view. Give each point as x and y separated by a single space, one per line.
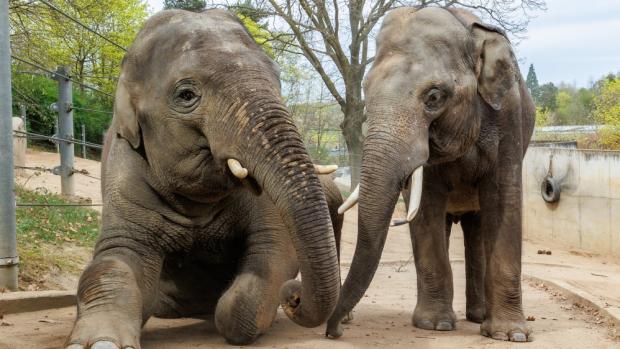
52 240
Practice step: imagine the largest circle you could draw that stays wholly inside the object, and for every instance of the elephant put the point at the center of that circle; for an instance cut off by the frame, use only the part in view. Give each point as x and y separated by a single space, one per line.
211 202
449 121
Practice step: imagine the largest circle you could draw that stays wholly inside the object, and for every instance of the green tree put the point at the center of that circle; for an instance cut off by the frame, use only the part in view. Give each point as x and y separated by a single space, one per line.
260 34
607 112
45 36
42 35
532 84
543 117
564 101
572 106
189 5
547 99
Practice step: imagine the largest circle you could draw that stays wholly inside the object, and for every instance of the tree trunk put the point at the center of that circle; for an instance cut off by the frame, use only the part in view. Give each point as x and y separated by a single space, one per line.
351 126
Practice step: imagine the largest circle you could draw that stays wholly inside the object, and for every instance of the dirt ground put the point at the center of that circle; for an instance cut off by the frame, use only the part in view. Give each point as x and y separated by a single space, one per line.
383 317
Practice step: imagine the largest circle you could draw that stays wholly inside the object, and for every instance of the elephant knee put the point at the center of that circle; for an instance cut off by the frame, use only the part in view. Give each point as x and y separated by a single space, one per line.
241 315
236 325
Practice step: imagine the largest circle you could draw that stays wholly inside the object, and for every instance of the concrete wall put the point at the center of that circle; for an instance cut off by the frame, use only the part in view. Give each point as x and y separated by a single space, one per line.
19 146
587 215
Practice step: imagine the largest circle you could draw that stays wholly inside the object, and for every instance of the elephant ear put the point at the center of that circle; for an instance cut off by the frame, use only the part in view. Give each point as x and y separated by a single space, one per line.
125 116
496 67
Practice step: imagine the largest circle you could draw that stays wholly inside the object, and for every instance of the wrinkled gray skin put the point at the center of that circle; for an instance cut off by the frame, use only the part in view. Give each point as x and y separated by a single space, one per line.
181 235
445 93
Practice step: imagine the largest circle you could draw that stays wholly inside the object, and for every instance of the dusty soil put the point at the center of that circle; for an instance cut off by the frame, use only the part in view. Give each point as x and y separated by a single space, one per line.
87 185
382 319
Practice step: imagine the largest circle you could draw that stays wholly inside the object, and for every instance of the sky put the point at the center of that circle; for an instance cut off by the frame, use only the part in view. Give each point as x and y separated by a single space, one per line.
574 41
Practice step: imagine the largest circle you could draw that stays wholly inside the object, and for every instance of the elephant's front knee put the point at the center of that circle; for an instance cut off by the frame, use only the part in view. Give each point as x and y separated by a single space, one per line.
241 315
234 327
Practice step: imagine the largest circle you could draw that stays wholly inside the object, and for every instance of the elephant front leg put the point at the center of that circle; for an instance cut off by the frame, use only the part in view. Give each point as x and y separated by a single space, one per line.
474 266
433 310
501 225
248 307
111 303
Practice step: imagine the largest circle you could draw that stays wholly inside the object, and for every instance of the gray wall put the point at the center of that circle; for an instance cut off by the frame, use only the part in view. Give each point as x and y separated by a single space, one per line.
587 215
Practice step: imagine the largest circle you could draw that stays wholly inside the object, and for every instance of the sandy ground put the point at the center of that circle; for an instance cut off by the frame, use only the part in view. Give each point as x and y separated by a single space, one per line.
86 186
383 317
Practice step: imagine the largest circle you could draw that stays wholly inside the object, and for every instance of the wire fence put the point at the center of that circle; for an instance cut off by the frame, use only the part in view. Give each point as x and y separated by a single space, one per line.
56 205
57 74
37 136
78 22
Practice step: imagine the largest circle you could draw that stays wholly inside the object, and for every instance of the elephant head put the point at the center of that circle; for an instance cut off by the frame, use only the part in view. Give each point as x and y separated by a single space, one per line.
200 101
436 74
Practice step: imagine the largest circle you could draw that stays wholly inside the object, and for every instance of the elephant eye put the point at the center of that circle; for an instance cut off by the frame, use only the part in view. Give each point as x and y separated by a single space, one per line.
186 96
433 99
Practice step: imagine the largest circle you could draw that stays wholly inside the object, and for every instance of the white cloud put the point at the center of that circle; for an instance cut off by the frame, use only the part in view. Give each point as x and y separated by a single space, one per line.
573 41
155 5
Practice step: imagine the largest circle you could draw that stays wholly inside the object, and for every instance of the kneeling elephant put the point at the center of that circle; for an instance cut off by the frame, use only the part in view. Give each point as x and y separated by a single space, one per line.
211 202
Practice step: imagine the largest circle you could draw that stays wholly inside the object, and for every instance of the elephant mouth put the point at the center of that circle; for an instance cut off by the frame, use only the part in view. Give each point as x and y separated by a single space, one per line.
414 184
242 174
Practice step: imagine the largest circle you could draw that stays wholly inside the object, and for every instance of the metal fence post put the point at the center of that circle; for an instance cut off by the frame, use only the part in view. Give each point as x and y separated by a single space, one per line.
65 130
8 240
22 111
83 141
56 134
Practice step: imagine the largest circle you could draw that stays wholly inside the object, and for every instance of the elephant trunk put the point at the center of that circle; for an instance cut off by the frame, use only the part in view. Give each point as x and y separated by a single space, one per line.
279 163
387 166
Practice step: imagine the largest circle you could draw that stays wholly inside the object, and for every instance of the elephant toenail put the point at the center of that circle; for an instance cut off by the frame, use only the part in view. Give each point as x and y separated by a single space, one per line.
348 318
518 337
444 326
104 345
425 325
75 346
500 336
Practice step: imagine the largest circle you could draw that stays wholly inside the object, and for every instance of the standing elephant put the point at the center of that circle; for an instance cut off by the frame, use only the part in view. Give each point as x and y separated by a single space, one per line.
199 131
449 120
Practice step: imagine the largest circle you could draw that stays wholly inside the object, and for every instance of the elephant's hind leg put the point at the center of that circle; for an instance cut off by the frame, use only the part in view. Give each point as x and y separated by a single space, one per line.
474 266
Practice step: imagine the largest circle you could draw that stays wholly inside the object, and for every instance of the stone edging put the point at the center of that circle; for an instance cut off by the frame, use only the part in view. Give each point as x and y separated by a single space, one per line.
575 296
21 302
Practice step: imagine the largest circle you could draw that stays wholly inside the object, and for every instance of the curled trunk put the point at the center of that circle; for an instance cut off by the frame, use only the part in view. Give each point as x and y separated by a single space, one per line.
281 166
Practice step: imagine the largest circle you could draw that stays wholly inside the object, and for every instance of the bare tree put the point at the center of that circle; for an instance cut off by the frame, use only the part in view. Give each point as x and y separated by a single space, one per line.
333 36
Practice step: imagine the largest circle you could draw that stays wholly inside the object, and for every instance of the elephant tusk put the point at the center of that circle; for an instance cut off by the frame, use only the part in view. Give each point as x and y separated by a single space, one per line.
351 200
236 168
320 169
416 193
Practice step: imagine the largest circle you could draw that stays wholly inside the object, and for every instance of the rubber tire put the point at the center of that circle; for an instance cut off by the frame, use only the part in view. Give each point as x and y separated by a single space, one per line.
550 189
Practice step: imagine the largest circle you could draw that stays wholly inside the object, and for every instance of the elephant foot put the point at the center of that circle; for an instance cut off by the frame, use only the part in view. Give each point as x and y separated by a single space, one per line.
506 330
334 328
348 318
104 331
475 313
439 320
